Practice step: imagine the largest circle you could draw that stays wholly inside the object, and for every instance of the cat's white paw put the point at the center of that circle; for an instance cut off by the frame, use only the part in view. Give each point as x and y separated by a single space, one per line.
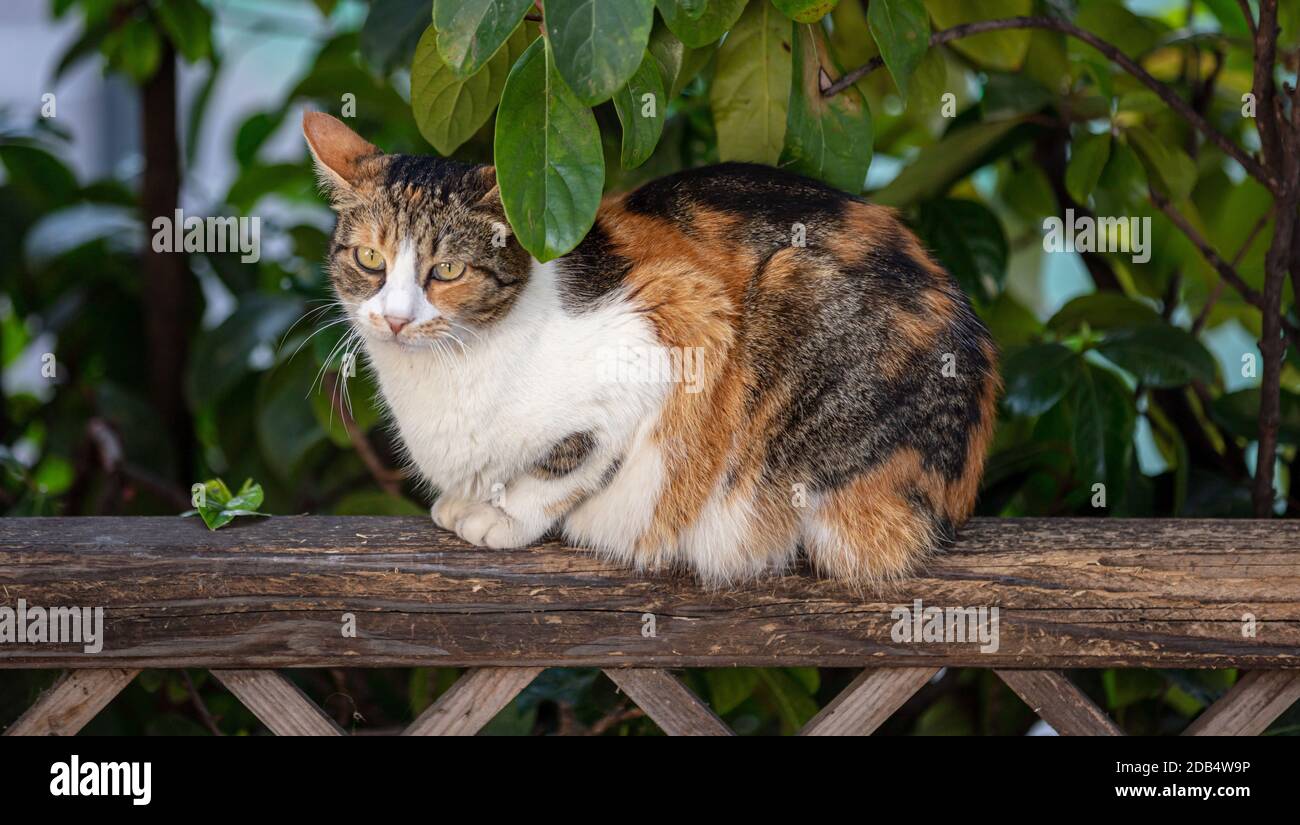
483 525
446 511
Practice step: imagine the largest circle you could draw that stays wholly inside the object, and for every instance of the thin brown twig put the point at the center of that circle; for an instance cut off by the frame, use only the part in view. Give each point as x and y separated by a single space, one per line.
1250 164
1226 271
1250 18
1217 292
390 480
209 721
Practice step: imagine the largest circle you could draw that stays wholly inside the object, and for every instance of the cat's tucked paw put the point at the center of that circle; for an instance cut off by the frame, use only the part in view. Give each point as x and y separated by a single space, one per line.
446 511
483 525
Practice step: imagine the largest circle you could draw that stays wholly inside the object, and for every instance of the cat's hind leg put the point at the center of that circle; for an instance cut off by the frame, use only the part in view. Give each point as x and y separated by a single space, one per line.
879 526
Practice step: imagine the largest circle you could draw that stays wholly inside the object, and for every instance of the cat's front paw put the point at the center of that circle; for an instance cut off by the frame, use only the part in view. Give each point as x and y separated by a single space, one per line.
446 511
484 525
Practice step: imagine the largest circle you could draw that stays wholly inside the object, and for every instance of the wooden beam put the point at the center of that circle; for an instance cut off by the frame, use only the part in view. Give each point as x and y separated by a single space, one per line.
272 593
671 705
473 701
1059 703
868 701
279 703
1250 706
72 701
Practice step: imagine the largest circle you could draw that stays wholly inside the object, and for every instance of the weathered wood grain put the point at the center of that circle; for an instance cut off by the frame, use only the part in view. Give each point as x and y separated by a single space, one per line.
72 701
671 705
868 701
471 703
279 703
1059 703
1250 706
275 593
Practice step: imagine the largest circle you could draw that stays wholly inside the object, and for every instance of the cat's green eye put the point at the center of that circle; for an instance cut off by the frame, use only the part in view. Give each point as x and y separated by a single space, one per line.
448 270
370 259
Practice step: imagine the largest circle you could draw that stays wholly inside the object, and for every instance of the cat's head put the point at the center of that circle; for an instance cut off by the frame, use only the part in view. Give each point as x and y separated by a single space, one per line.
421 246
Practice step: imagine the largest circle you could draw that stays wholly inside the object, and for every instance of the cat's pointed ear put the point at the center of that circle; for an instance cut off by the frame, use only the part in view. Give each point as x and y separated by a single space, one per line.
337 151
491 197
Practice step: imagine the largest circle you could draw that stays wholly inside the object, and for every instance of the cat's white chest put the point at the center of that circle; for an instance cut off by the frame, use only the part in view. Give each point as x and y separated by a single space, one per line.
474 416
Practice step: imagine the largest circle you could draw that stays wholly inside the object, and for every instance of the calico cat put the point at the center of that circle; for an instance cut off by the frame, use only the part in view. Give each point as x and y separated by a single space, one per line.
735 363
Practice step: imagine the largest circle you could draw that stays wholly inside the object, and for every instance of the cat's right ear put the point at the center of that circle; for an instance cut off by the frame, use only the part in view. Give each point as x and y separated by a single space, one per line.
338 152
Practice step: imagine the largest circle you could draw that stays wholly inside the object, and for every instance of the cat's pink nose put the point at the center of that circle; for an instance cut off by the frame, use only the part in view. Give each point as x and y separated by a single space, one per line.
396 323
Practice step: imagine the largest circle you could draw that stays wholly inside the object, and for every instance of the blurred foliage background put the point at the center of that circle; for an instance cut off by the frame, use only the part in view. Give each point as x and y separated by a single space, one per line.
174 368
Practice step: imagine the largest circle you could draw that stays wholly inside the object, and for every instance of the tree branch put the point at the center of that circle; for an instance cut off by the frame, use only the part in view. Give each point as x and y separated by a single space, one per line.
1232 150
1225 270
1245 12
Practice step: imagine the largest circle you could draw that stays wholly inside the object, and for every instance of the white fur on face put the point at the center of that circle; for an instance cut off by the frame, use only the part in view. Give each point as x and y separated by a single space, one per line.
400 297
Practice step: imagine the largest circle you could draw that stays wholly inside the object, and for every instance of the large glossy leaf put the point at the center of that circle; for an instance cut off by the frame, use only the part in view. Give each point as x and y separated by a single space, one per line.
597 46
678 63
471 31
641 105
220 356
1088 156
1102 310
1159 355
1238 413
901 29
1003 50
940 165
449 109
969 241
805 11
1037 377
1103 416
706 27
828 138
391 31
548 155
1169 169
750 93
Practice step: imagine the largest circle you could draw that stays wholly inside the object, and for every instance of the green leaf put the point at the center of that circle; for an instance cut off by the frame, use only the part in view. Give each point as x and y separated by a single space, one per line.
1003 50
286 425
391 31
188 25
1238 413
940 165
597 46
449 109
220 356
805 11
1169 170
641 107
218 507
792 701
1159 355
134 49
729 687
1088 157
678 63
902 30
1101 310
470 32
828 138
549 161
1103 415
969 241
717 18
750 94
1037 377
